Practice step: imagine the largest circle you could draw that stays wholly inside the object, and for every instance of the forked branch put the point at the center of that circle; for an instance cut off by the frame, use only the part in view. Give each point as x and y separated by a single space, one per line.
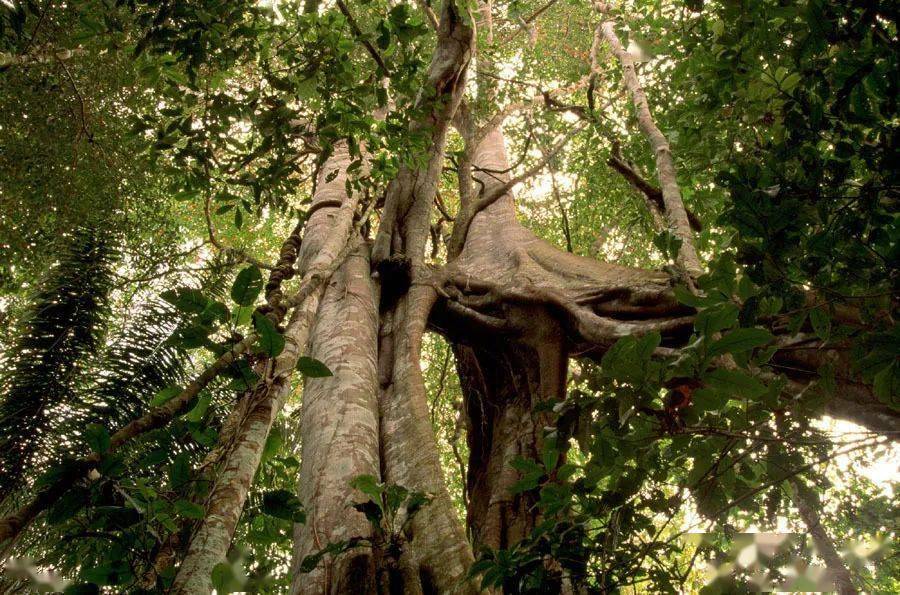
675 212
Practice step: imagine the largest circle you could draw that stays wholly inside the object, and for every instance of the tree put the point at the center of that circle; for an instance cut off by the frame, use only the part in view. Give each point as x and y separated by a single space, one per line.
381 134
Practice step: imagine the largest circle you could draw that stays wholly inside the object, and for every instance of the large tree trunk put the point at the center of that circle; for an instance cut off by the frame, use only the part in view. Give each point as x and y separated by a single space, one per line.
501 385
339 420
517 308
339 425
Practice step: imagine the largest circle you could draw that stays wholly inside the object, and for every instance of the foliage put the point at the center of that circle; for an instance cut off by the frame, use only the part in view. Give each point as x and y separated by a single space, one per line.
176 139
63 331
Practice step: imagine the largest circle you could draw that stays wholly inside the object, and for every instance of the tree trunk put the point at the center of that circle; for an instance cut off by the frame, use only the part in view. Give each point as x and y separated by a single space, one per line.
837 570
339 424
211 541
517 308
440 555
501 387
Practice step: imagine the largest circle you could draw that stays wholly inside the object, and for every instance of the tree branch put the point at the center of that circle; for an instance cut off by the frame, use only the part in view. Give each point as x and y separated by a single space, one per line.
651 193
665 165
358 34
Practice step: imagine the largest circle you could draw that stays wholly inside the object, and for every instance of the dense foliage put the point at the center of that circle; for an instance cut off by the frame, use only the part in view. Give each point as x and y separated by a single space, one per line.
155 155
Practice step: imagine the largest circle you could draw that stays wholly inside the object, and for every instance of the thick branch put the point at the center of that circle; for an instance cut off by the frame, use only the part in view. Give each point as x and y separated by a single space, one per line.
358 34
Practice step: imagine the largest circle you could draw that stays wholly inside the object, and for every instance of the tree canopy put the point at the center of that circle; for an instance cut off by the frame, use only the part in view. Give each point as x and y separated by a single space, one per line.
459 296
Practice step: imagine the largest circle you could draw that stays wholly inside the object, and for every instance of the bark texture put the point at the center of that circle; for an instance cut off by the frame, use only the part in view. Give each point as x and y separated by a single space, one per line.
212 539
440 555
501 387
339 424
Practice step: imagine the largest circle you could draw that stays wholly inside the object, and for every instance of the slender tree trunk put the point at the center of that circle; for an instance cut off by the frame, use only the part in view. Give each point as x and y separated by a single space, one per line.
212 539
665 166
837 570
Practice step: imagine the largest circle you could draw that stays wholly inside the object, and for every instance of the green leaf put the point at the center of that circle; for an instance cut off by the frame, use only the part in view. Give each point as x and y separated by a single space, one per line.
742 339
189 510
368 485
667 243
179 471
97 438
270 341
415 502
247 285
394 496
708 399
886 385
273 443
241 315
215 312
735 383
550 455
193 336
372 510
227 579
821 323
684 296
716 318
186 299
68 505
165 395
312 368
199 410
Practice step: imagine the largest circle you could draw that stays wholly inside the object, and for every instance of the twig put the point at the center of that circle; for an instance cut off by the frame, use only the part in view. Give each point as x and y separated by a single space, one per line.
358 34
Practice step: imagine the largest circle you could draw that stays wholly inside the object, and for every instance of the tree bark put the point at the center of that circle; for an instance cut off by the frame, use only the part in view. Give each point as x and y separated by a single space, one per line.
329 230
440 555
339 425
516 308
210 542
501 385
